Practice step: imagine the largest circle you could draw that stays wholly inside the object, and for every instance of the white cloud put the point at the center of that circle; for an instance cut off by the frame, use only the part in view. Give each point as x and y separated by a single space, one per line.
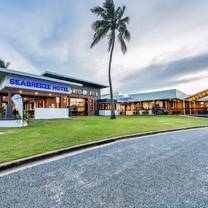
56 36
16 59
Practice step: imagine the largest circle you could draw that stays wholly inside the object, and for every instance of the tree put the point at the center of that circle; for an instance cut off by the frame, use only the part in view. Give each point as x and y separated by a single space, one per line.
111 24
4 64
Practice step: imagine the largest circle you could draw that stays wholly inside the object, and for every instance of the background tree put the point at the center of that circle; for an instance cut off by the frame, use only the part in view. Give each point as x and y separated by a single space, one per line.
4 64
111 24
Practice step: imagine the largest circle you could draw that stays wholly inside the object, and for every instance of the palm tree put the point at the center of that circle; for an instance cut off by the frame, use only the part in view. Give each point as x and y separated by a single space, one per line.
4 64
111 23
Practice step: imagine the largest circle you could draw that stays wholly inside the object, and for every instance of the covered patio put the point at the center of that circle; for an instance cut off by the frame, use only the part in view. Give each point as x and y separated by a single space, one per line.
198 103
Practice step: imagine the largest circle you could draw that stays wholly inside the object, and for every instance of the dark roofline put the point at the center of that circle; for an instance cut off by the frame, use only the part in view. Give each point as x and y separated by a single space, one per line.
15 72
73 79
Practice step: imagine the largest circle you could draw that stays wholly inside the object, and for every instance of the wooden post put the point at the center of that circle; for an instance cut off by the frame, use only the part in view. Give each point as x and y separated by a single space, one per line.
194 106
189 107
184 107
60 101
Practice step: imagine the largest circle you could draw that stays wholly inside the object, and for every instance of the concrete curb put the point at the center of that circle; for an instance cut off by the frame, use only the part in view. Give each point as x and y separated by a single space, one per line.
39 157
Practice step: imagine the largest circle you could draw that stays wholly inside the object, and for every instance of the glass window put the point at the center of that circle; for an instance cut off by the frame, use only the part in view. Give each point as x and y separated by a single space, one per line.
85 92
78 106
80 92
91 104
57 99
145 105
74 91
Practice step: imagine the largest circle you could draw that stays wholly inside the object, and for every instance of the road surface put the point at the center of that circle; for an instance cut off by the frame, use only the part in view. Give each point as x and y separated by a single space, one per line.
163 171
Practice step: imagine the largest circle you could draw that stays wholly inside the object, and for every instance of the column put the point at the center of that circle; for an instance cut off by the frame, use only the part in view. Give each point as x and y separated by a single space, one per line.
189 107
9 112
184 107
69 107
60 101
194 106
174 102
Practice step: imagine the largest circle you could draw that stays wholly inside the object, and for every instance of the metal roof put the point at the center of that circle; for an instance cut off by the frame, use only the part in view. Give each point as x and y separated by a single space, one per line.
14 72
150 96
198 96
73 79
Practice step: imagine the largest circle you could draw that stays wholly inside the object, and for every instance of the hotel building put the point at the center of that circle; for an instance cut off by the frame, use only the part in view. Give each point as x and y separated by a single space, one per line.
53 95
44 94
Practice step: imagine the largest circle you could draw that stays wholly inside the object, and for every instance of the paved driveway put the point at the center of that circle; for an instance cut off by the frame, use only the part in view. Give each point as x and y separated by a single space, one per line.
166 170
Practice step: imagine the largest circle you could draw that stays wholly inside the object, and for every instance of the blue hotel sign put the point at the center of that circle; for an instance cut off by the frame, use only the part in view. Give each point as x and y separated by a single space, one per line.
125 99
39 85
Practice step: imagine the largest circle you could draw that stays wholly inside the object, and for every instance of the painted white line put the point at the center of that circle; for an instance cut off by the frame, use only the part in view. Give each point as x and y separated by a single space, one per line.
55 158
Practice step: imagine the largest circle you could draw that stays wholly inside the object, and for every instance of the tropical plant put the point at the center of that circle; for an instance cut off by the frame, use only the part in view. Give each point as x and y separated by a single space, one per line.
4 64
25 119
111 23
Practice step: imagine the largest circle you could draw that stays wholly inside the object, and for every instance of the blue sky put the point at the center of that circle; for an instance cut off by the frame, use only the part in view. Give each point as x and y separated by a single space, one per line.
168 49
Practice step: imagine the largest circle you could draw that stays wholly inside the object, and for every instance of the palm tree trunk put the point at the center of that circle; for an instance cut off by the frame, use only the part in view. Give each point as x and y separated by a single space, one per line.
1 109
113 116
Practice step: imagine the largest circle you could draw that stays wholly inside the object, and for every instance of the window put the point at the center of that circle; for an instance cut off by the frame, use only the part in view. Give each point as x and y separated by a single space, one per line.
92 93
74 91
145 105
80 92
91 104
85 92
78 106
57 100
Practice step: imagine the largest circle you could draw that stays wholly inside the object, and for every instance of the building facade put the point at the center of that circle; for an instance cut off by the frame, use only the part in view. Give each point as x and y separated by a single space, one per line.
48 91
53 95
170 101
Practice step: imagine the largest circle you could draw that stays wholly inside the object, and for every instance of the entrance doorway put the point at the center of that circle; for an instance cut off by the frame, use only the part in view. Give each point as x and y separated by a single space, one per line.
30 103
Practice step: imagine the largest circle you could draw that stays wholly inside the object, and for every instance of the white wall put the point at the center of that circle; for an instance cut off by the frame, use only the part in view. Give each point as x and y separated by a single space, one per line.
129 113
107 112
51 113
12 123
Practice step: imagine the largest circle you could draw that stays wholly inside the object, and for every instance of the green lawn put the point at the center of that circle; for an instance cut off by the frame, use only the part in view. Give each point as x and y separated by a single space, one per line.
43 136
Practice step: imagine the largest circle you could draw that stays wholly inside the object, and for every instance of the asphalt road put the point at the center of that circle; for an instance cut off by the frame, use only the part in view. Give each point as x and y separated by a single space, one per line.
166 170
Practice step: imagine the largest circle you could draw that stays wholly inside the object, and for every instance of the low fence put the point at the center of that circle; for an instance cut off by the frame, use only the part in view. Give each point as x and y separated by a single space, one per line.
107 112
12 123
51 113
176 111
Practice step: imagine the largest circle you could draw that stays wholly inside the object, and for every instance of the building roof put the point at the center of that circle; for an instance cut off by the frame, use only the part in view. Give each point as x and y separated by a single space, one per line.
150 96
73 79
198 96
204 99
50 76
4 71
